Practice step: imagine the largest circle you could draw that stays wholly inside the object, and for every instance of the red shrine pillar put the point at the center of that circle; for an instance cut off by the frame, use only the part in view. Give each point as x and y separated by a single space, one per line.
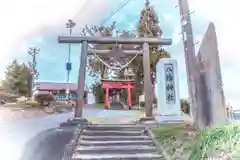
129 97
106 98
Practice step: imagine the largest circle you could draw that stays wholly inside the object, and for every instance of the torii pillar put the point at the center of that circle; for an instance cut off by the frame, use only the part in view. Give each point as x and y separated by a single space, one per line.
84 40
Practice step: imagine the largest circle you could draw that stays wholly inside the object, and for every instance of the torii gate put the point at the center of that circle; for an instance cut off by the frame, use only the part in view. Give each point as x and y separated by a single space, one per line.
121 84
84 40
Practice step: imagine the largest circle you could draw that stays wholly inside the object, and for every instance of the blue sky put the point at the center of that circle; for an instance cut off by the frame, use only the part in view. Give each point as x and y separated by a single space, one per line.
29 23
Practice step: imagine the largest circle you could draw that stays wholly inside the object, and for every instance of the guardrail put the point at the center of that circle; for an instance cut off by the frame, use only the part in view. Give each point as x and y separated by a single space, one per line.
234 114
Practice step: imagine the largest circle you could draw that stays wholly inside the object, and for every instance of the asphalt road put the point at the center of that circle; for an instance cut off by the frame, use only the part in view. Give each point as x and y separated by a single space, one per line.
49 145
20 138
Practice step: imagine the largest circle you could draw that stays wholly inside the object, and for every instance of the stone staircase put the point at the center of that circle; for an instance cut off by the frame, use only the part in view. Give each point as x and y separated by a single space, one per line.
115 142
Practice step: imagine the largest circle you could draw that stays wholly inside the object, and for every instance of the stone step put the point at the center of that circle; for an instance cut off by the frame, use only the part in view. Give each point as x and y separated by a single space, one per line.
115 143
115 127
115 149
112 132
137 156
115 138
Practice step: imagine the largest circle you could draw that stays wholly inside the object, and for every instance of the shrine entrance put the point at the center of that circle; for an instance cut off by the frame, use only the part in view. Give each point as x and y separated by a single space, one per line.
113 96
144 42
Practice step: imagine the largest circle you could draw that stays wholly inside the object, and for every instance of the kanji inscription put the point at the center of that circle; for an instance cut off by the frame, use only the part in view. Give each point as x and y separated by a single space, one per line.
169 83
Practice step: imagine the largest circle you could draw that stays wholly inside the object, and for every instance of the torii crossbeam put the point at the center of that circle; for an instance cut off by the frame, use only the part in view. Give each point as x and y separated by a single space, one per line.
113 40
84 40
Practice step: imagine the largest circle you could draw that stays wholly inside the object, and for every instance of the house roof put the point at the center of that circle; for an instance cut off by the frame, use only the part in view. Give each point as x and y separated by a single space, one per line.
56 86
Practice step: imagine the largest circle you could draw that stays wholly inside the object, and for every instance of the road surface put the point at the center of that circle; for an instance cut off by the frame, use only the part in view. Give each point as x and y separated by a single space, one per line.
41 138
16 136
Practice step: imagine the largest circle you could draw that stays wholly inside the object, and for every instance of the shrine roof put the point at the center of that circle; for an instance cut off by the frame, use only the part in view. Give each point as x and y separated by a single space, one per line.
117 80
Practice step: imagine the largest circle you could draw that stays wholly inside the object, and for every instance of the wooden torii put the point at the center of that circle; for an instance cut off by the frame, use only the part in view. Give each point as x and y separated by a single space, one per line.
85 40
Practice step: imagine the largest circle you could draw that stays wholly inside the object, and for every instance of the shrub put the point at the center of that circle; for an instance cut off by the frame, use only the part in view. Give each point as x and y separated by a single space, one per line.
185 106
44 99
4 95
98 93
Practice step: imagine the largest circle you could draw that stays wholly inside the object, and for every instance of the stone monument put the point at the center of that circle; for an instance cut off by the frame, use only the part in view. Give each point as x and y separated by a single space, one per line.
168 99
211 101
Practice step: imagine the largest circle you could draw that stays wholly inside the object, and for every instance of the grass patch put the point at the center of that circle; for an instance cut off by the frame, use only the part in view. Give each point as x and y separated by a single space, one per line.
167 131
184 142
174 131
100 105
220 142
176 139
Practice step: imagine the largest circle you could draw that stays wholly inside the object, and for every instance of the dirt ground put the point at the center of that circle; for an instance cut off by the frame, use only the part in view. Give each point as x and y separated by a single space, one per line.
14 112
7 114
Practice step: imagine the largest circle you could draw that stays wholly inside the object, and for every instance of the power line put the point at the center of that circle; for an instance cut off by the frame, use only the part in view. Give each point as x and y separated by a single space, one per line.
121 6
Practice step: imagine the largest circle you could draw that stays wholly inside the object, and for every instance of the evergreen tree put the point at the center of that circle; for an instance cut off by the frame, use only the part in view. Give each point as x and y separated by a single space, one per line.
18 79
148 23
148 26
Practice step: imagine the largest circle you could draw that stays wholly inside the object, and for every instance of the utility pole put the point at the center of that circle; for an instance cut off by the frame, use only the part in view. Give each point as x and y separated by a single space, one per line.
69 25
33 51
189 50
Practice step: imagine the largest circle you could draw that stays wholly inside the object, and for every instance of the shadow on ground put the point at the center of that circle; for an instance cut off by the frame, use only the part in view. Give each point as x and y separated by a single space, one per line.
48 145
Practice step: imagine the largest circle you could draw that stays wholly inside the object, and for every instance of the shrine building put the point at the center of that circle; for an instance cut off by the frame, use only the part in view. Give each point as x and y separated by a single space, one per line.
58 90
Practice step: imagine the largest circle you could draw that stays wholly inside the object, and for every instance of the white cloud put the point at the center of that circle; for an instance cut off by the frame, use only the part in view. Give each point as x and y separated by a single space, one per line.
22 17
